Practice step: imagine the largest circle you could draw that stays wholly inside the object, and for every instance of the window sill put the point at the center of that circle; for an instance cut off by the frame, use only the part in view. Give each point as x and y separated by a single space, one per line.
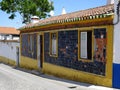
53 55
85 60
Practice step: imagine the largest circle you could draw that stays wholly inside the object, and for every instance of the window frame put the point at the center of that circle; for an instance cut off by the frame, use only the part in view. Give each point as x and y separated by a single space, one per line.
105 42
50 47
79 45
31 47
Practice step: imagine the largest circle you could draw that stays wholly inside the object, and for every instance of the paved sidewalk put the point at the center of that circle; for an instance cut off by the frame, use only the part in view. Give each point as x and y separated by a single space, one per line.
68 83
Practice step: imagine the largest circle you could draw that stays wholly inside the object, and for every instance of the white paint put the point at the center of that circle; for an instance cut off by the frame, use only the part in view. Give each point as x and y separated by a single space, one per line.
116 50
63 11
15 38
52 13
8 37
110 1
34 19
2 37
83 45
8 49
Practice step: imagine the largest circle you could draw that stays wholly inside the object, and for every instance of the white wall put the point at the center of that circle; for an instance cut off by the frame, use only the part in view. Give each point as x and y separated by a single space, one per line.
8 49
110 1
8 37
1 37
116 53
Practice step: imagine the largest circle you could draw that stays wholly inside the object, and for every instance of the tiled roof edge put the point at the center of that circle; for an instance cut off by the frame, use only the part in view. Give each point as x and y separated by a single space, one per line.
104 14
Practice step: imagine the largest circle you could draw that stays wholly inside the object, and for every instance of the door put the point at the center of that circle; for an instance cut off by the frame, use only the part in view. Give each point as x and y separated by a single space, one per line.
17 56
40 51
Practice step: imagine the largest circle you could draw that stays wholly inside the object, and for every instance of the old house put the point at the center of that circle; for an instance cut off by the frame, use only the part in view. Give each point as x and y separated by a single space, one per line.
77 46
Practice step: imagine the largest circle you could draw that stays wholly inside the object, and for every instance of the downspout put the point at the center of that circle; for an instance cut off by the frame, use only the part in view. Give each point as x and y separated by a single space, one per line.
118 15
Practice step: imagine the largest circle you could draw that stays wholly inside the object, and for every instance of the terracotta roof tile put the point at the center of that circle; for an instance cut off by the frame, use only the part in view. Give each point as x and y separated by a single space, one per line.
98 12
8 30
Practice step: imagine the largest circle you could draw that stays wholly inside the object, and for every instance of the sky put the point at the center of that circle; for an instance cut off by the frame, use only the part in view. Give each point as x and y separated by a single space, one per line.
69 5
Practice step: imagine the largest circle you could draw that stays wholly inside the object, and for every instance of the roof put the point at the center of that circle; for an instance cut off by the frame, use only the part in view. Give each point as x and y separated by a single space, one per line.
92 13
8 30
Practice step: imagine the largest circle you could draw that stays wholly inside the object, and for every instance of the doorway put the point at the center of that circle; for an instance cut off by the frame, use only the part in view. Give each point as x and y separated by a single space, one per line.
17 56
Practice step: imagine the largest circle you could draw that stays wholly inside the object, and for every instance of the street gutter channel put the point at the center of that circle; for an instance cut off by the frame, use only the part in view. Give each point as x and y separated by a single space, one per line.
72 87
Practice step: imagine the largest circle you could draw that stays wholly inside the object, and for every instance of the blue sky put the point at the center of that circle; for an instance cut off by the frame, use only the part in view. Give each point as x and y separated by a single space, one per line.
69 5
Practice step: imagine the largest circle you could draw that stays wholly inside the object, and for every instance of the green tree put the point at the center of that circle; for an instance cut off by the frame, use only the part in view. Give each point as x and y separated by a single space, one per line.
27 8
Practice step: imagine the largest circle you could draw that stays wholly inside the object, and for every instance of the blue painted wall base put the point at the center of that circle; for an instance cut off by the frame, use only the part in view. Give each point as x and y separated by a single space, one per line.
116 75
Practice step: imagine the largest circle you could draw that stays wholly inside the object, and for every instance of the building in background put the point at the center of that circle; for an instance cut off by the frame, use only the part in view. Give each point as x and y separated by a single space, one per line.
9 33
9 45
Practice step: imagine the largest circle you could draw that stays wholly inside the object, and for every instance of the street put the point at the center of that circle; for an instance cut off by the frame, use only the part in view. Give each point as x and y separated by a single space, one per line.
15 79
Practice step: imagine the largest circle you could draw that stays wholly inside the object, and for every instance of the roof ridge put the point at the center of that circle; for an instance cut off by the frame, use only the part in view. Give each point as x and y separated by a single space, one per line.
80 11
91 13
9 30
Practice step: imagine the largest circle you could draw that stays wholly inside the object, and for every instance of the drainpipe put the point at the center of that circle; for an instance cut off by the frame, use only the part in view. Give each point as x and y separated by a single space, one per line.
118 13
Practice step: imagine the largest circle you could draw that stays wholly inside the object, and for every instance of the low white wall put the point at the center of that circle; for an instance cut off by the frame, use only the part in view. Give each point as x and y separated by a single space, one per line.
8 49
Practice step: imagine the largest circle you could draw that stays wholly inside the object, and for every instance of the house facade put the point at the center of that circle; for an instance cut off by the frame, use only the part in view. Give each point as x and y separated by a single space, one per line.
76 46
9 45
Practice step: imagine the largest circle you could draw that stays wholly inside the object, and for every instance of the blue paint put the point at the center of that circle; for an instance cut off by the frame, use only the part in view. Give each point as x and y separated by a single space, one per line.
116 75
68 53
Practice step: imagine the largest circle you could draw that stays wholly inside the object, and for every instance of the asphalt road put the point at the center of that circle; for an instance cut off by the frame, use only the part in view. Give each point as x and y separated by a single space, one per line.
14 79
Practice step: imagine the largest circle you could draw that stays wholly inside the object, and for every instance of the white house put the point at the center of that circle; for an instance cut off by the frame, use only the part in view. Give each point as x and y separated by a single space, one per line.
9 45
9 33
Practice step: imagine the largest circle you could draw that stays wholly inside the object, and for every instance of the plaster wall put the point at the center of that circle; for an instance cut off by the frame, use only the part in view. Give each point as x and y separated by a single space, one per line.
116 37
116 48
8 49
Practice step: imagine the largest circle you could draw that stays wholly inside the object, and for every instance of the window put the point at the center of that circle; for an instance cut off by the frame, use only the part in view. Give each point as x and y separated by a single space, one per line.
100 44
31 42
29 45
85 45
53 45
5 37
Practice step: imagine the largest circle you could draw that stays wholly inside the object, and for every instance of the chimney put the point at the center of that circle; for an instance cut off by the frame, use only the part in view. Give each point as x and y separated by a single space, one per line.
110 2
34 19
51 13
63 11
